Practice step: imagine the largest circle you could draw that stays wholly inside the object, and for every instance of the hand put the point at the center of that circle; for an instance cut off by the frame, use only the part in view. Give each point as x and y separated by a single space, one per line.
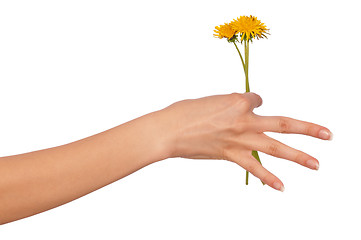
224 127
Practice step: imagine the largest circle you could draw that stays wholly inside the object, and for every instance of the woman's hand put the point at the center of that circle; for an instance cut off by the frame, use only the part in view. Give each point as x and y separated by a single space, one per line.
219 127
224 127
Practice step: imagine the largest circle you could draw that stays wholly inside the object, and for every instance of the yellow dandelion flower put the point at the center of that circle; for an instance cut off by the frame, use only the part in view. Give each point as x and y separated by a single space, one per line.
249 27
224 31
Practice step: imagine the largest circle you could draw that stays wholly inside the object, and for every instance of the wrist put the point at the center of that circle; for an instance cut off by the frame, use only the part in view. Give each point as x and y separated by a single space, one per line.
164 135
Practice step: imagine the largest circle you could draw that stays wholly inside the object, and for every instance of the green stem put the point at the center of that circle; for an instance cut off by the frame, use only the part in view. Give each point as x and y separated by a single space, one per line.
240 55
246 56
247 85
247 176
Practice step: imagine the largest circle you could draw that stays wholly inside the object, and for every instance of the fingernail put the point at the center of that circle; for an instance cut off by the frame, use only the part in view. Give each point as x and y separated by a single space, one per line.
312 164
325 135
279 186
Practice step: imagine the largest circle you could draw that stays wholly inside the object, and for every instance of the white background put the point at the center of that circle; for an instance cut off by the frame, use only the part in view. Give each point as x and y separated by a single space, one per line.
70 69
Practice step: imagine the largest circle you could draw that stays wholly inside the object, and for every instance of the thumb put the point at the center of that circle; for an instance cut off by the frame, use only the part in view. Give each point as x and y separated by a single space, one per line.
254 99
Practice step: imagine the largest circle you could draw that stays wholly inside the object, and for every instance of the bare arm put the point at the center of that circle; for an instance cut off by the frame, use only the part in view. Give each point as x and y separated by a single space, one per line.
37 181
216 127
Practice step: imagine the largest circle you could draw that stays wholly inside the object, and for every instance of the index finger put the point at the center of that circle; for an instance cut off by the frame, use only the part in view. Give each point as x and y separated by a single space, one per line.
290 125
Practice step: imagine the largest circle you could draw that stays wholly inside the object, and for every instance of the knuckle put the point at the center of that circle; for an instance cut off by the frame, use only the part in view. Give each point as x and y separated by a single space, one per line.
225 154
237 96
245 104
229 153
309 130
241 103
266 179
284 125
299 157
251 168
273 150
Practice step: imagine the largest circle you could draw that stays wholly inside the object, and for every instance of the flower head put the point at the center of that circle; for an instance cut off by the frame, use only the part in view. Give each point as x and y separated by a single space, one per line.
224 31
249 27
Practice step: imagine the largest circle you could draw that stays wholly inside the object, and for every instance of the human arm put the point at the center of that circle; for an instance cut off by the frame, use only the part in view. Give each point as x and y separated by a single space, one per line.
216 127
34 182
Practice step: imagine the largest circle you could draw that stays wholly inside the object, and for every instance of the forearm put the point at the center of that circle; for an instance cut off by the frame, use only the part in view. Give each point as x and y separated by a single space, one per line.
37 181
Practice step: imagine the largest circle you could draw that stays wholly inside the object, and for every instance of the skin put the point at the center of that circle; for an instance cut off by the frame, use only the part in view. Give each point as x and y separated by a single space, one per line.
215 127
